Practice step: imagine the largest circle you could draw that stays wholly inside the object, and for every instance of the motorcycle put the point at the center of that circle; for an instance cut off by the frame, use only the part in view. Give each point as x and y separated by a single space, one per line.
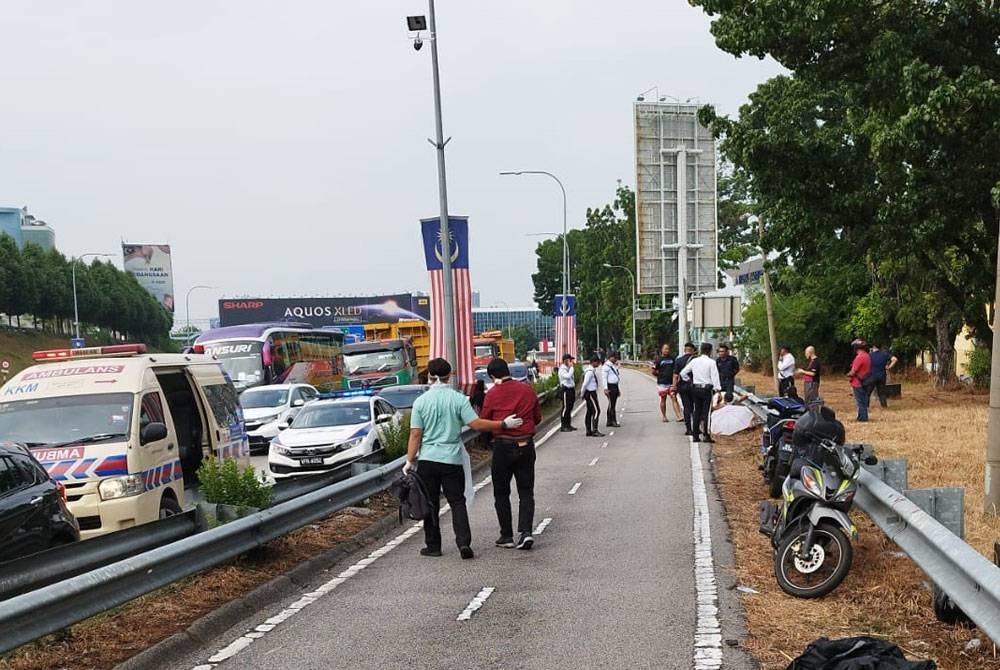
811 531
776 441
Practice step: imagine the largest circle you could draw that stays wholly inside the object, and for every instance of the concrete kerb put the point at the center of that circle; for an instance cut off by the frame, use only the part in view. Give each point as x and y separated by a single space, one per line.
296 580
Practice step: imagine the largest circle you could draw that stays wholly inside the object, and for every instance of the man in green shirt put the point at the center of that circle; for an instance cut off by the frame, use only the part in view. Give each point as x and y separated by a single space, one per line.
435 450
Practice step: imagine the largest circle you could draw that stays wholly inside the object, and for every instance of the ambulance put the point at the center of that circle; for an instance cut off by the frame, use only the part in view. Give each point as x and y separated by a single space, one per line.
123 430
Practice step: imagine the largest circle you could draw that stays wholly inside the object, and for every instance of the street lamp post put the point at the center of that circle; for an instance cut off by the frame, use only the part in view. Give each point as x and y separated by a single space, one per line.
187 304
631 276
76 308
565 238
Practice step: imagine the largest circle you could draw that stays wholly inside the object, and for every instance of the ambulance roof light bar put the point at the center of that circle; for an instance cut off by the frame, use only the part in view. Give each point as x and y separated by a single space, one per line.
90 352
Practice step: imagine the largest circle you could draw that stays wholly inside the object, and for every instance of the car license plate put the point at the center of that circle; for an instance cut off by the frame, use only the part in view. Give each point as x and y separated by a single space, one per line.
312 461
785 446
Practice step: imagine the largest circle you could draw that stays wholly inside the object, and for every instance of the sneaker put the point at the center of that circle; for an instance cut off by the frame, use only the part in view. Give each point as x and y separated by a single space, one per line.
427 551
505 542
466 552
525 542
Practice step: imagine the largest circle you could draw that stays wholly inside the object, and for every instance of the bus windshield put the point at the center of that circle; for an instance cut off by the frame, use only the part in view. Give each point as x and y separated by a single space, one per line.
383 360
241 359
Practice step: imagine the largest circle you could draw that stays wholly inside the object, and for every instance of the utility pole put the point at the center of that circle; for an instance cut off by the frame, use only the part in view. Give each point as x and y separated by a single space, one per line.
769 302
991 485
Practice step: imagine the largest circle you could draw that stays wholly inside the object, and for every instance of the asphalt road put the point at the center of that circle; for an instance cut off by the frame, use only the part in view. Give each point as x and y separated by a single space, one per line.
611 582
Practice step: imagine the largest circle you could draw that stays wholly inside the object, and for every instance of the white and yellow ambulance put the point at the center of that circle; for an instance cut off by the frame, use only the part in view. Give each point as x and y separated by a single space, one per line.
122 429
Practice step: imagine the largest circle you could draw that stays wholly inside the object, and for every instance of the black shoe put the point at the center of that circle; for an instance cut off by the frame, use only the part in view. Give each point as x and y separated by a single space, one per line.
687 432
525 542
427 551
466 552
505 542
565 429
572 428
708 439
597 433
695 438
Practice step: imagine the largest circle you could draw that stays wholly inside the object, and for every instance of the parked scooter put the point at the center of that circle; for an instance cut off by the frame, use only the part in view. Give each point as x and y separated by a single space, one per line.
811 531
776 441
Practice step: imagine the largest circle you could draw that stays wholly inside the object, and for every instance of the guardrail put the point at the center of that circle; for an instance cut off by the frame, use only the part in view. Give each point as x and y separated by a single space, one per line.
970 581
47 592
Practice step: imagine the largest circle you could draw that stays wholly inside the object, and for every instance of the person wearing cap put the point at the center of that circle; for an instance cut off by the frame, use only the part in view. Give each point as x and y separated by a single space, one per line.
703 375
861 367
434 454
612 379
513 453
591 385
567 391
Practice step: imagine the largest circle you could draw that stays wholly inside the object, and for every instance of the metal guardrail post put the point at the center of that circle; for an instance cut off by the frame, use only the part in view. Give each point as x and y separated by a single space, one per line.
892 471
946 505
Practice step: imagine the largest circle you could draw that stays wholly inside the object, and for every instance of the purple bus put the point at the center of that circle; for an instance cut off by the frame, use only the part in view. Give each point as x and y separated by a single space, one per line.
277 353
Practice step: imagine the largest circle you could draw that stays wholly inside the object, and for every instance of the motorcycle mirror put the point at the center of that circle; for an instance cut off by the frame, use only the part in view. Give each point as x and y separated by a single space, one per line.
870 460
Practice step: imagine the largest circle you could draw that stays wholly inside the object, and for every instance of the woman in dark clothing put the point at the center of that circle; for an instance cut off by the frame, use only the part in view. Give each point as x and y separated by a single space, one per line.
478 396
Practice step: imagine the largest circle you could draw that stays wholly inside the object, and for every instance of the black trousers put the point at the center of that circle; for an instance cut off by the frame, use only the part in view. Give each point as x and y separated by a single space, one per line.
593 411
613 395
687 406
702 401
881 391
510 460
786 388
450 478
568 394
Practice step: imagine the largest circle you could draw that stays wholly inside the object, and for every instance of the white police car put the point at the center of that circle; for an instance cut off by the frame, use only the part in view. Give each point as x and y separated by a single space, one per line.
328 432
265 408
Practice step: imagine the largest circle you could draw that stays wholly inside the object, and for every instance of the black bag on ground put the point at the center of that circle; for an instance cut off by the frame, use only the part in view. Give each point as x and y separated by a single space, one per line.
412 497
856 653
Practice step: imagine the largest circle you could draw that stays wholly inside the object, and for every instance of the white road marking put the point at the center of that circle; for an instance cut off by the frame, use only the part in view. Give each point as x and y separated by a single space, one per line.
542 526
708 631
611 433
269 624
476 603
604 446
594 462
576 487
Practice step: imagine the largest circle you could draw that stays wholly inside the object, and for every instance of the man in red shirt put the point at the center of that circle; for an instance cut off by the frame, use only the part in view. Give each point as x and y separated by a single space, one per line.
860 369
513 453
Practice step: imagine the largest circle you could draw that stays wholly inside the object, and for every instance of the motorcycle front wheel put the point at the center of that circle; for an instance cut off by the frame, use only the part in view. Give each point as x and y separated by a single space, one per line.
829 560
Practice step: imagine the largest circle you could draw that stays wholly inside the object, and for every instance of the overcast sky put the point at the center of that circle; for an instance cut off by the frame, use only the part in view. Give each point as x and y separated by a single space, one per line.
280 148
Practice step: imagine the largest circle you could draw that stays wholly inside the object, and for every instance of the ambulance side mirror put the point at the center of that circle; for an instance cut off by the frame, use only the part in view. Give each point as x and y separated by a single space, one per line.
153 432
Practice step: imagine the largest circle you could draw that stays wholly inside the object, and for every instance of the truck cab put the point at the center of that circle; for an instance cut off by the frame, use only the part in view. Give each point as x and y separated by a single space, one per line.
379 363
122 430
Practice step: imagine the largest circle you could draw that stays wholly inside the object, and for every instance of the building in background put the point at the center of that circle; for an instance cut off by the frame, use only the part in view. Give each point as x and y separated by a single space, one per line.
24 228
502 318
475 299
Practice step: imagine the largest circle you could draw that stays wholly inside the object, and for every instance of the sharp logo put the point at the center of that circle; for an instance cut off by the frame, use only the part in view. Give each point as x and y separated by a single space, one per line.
242 304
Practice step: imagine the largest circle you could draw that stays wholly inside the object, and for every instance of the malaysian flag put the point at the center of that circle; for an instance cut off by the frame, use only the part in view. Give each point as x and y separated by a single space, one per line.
458 227
564 311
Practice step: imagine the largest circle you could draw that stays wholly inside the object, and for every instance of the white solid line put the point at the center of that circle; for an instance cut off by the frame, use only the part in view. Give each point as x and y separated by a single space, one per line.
708 631
476 603
576 487
542 526
594 462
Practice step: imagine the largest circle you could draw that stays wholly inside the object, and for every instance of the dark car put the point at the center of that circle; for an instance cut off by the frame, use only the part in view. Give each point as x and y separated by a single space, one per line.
33 514
402 397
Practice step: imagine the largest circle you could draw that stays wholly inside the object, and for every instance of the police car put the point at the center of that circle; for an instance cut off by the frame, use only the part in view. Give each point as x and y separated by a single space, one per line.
326 433
265 408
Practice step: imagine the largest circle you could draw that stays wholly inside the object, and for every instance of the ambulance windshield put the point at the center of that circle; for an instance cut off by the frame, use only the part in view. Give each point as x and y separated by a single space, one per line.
67 419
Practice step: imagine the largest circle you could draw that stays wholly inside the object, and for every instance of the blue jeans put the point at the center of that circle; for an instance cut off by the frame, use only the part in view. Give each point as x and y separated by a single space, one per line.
861 397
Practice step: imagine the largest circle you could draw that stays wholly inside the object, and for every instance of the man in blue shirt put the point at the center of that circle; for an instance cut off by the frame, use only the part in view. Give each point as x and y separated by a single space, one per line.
435 451
882 362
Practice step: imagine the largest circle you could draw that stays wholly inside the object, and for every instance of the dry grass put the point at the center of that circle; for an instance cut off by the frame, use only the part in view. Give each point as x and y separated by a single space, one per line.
943 436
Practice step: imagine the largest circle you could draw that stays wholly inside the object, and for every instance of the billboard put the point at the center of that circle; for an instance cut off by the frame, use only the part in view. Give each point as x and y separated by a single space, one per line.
675 200
324 311
150 265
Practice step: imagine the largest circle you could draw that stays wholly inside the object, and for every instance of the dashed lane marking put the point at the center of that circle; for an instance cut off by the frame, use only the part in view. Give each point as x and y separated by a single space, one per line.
576 487
542 526
594 462
476 603
708 630
604 445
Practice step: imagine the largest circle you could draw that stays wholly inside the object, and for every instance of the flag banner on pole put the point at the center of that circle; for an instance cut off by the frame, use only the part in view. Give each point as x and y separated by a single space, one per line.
458 250
564 311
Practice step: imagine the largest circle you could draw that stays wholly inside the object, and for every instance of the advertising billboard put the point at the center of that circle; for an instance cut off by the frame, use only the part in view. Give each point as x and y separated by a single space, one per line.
150 265
324 311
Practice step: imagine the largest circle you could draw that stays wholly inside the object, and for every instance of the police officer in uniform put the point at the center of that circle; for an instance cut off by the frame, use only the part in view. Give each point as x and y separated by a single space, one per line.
567 390
612 378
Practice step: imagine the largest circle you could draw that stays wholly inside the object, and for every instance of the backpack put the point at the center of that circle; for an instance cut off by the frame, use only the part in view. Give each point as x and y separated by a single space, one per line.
855 653
412 498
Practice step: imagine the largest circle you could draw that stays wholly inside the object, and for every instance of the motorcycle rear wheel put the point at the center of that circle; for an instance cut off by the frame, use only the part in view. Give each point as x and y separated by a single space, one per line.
828 564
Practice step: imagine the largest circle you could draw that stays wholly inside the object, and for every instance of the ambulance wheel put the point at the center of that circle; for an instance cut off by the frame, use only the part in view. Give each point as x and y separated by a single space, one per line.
169 507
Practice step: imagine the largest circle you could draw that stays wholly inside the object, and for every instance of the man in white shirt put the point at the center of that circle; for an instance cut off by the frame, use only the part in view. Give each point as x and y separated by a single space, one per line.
786 373
591 384
612 377
703 374
567 391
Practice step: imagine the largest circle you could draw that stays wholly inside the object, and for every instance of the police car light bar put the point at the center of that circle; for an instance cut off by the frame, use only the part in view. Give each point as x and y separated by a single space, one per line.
89 352
352 393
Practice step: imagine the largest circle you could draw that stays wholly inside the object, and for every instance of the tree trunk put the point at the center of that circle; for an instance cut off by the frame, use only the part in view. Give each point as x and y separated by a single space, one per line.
945 353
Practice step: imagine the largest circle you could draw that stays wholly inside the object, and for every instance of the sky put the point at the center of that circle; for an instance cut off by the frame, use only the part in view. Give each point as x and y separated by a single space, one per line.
281 149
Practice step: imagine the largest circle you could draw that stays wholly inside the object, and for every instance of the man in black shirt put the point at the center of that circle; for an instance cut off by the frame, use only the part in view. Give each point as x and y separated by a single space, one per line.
729 367
665 370
684 388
